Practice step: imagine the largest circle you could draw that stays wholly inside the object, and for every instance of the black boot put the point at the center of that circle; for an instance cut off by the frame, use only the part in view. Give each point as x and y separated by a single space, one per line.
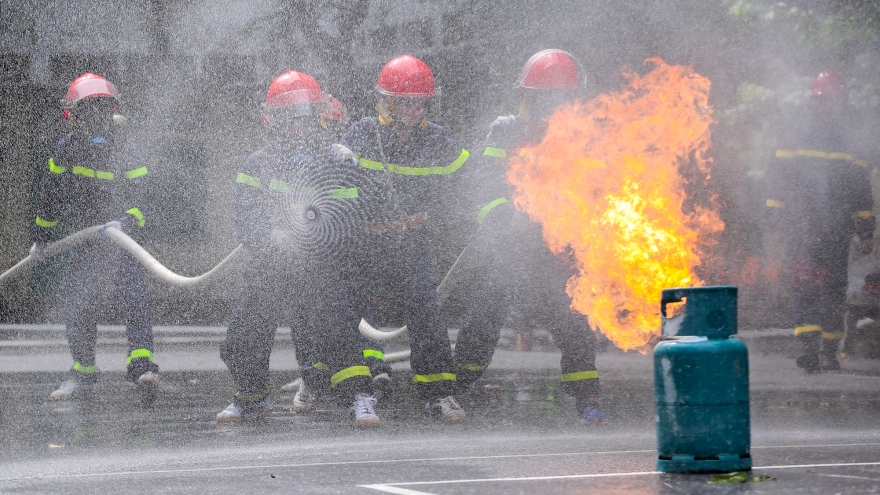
829 355
809 361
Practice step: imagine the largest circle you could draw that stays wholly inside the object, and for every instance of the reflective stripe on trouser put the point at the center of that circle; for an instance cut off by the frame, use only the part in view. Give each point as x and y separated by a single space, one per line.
543 301
819 282
93 267
328 315
402 260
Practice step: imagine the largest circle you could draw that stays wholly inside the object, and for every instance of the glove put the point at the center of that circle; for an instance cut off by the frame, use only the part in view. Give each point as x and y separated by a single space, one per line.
37 251
342 154
116 224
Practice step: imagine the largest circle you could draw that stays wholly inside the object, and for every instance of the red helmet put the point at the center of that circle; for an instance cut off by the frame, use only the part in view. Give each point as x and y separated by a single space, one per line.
550 69
406 76
828 83
88 85
295 91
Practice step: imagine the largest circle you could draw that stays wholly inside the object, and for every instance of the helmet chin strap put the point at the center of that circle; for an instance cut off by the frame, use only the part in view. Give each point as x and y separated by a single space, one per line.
386 114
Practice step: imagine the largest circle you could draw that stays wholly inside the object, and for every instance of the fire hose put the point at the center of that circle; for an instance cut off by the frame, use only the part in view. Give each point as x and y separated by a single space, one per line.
161 272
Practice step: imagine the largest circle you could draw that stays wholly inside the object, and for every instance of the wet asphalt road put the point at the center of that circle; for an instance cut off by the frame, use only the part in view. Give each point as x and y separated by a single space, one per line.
812 434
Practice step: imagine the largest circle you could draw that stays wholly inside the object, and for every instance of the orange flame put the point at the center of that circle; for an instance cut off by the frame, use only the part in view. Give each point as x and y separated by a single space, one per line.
605 183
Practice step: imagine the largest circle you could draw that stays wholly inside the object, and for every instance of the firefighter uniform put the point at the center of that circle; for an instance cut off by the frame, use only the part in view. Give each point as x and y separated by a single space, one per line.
518 273
93 180
820 196
399 182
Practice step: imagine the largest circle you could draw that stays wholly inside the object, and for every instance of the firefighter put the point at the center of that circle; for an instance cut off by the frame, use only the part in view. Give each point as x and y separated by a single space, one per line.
819 197
305 397
403 164
283 283
96 176
517 271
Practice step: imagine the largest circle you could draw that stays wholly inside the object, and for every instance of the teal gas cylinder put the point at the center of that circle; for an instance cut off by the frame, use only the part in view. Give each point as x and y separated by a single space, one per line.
701 385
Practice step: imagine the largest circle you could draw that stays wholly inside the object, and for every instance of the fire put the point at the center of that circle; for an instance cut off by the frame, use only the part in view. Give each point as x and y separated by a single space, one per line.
605 183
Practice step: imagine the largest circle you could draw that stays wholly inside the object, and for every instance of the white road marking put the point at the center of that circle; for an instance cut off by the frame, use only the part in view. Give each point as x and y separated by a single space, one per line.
396 486
420 460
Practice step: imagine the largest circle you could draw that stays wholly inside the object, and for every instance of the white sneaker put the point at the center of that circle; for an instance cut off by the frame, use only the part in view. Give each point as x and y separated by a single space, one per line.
447 409
251 412
303 400
66 390
362 413
148 387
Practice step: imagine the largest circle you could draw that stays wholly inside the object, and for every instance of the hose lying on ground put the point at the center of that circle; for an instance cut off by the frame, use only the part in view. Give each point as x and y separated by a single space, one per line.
444 290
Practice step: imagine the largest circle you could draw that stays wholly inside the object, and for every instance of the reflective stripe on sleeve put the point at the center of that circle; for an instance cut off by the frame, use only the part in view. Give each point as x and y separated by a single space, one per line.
807 329
89 370
276 185
350 372
580 375
820 154
495 152
345 193
103 175
772 203
83 171
55 169
45 223
246 179
865 214
416 171
135 212
486 209
134 174
139 353
436 377
831 336
374 353
320 366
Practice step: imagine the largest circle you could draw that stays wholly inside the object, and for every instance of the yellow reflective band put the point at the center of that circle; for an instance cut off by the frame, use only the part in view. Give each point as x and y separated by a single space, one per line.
83 171
137 214
139 353
473 367
580 375
374 353
55 169
276 185
84 369
345 193
772 203
495 152
436 377
134 174
486 209
104 175
247 180
416 171
45 223
865 214
820 154
831 336
350 372
807 329
320 366
253 398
